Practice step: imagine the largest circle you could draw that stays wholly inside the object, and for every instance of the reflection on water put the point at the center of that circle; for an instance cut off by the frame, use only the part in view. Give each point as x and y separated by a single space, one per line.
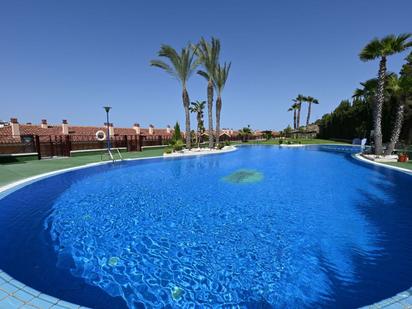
172 233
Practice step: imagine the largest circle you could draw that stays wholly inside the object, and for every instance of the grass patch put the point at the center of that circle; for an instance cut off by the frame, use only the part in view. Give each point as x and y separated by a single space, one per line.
407 165
11 172
303 141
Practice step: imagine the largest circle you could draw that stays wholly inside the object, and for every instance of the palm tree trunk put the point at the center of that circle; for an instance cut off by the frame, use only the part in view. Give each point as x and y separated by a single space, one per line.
186 103
210 111
199 120
309 111
294 119
397 127
218 109
377 115
298 119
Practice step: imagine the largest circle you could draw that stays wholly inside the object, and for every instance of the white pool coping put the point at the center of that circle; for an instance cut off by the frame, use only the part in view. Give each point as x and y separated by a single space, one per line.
14 294
359 157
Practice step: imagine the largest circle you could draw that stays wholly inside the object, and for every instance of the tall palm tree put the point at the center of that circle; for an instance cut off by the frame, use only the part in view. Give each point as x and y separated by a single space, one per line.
299 100
294 108
400 90
310 101
220 78
382 48
181 67
208 56
197 108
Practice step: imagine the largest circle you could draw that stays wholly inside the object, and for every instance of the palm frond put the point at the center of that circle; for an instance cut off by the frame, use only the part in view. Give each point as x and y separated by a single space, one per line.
181 65
164 66
221 75
371 51
203 74
208 55
388 45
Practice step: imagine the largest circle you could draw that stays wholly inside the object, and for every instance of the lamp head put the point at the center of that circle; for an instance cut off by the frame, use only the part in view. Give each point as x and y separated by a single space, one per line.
107 108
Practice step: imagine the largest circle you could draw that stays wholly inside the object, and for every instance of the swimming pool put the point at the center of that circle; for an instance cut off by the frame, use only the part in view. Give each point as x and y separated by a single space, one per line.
261 226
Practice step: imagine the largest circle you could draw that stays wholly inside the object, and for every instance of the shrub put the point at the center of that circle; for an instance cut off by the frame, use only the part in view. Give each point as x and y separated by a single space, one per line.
177 135
168 150
178 145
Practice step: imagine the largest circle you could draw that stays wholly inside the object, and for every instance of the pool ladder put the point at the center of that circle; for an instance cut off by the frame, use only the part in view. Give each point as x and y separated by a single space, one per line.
110 154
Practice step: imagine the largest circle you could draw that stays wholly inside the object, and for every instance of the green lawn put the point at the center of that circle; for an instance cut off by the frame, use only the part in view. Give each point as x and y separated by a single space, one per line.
11 172
313 141
407 165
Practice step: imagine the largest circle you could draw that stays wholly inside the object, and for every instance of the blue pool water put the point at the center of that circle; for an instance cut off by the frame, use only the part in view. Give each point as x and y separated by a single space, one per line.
259 227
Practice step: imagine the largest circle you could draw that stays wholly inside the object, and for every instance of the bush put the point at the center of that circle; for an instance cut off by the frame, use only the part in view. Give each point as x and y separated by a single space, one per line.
227 143
168 150
178 145
220 146
177 135
280 141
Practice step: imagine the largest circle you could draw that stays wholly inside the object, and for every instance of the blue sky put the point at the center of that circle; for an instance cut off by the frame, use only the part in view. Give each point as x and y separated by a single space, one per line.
66 59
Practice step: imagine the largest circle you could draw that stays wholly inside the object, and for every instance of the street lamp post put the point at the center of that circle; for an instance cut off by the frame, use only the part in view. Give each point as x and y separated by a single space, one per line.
107 109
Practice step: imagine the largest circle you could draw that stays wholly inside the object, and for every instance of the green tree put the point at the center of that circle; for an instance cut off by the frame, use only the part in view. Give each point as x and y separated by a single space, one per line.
299 100
406 72
244 133
177 135
310 101
197 108
287 130
400 89
382 48
294 108
181 67
220 78
208 57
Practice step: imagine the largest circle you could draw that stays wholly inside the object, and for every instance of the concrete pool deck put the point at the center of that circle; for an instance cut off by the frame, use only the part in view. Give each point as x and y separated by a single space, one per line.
14 294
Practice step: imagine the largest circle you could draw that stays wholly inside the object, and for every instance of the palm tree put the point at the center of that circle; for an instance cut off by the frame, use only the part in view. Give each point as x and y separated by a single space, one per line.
181 67
299 99
244 133
399 89
368 90
220 78
294 108
382 48
310 101
208 56
198 107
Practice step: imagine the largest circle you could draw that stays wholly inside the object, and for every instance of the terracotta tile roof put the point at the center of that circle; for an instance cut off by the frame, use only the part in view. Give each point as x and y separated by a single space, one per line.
5 130
76 130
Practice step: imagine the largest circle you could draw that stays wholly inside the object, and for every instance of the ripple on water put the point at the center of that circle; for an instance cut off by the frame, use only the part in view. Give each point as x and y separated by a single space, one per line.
175 235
